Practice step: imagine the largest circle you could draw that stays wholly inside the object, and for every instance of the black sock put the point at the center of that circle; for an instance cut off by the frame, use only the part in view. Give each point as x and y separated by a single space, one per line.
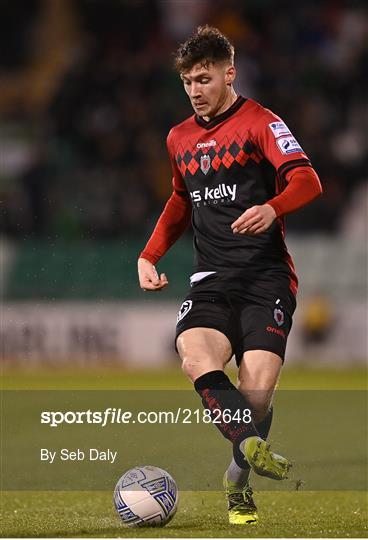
218 393
264 426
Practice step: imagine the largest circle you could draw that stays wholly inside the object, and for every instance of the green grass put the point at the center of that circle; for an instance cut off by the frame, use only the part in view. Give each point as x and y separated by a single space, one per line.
297 514
293 378
286 513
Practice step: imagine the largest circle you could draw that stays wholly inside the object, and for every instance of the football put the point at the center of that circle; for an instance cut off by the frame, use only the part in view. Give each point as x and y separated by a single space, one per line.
146 496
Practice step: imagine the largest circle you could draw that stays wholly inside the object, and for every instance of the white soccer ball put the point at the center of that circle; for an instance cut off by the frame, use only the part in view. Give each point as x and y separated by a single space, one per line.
146 496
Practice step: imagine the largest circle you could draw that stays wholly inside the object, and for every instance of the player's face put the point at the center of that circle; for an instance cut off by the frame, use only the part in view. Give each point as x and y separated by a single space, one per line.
209 88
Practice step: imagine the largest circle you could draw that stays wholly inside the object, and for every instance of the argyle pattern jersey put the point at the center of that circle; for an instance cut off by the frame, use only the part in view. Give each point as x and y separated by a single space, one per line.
237 150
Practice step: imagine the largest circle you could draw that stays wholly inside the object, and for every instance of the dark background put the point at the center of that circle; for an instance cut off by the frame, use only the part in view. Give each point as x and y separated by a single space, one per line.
89 95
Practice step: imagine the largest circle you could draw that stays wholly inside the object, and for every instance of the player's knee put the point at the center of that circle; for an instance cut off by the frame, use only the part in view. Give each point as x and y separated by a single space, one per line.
195 366
187 368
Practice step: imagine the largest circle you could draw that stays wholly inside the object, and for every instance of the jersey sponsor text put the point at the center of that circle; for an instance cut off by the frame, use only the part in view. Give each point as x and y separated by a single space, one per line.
223 191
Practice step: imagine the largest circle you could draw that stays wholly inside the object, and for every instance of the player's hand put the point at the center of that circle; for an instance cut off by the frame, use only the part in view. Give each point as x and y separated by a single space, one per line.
149 280
255 220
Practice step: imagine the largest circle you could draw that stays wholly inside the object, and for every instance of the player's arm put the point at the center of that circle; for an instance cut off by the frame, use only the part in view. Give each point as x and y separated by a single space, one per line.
303 186
292 165
173 221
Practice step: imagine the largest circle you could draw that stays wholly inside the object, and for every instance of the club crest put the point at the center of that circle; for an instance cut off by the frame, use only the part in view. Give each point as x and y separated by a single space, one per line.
278 315
205 163
185 308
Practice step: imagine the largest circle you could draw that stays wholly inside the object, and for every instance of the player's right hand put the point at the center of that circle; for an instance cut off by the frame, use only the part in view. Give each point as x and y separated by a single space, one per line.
149 280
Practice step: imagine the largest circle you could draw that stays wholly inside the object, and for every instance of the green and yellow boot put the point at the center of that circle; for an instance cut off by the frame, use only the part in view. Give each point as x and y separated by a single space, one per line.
241 507
264 462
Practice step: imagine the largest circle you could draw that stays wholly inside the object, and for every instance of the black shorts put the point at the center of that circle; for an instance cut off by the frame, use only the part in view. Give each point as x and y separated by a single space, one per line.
253 314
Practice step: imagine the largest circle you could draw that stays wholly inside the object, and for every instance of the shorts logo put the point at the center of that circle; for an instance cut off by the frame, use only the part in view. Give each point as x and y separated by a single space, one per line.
276 331
288 145
185 308
205 163
278 315
279 129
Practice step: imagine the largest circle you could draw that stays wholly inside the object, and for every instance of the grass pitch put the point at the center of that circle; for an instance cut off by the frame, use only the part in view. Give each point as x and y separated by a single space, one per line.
83 514
200 514
93 378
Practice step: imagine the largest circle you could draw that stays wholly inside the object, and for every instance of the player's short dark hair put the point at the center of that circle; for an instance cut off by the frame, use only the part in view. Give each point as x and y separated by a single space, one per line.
206 46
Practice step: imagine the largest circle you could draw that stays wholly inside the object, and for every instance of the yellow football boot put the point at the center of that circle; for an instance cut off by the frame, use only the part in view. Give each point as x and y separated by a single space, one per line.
264 462
240 504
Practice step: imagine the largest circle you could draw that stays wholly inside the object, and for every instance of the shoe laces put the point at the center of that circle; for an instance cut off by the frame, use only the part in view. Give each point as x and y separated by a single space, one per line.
241 500
236 501
248 497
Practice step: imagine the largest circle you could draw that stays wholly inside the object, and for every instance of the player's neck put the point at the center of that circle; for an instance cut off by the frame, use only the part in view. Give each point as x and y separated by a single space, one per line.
229 101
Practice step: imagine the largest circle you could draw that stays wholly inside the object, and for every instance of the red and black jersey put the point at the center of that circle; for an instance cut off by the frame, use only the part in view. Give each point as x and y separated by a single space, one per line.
241 158
236 160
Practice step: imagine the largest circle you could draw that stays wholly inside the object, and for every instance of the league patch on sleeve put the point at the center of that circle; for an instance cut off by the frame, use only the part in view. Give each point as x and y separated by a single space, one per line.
288 145
279 129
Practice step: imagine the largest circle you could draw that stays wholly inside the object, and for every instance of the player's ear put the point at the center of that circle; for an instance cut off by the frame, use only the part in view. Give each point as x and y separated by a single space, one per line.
230 74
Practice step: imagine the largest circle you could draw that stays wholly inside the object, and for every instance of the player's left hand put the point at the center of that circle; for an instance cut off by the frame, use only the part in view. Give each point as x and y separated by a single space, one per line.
255 220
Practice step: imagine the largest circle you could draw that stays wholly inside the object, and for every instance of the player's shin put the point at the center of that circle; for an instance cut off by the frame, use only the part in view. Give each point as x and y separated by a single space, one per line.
240 475
264 426
231 414
230 411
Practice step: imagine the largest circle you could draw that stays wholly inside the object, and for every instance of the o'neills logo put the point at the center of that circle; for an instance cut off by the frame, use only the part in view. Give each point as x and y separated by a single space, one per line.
221 194
212 142
277 331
